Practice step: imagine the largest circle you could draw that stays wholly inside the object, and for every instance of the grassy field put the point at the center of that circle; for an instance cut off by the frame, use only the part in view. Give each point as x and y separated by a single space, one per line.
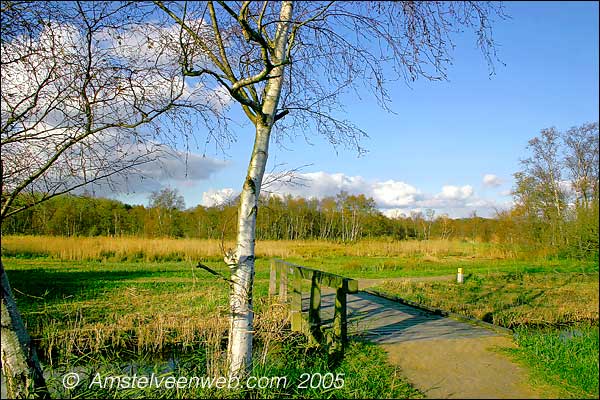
165 249
171 318
554 297
107 316
106 303
566 357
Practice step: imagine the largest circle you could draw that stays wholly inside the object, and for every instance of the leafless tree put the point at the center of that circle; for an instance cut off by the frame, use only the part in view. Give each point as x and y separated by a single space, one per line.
581 160
90 90
287 64
445 226
538 185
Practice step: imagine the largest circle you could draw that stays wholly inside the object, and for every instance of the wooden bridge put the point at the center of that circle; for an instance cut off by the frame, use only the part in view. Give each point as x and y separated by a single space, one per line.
329 308
443 355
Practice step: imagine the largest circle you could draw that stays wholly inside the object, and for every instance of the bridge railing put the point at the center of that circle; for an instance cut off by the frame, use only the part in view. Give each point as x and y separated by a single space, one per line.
286 280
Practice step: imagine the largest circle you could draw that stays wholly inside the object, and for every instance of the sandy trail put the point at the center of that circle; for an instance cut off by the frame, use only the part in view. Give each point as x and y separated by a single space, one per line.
440 356
464 368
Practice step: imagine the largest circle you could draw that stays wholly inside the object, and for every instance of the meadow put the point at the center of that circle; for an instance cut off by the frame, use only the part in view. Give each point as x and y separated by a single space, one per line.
111 303
130 248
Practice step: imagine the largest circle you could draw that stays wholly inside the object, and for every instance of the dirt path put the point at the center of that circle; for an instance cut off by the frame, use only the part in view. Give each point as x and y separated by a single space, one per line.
440 356
465 368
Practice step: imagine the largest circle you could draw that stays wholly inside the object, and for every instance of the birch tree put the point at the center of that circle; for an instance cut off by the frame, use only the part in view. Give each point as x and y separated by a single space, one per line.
581 161
538 185
288 65
90 91
557 189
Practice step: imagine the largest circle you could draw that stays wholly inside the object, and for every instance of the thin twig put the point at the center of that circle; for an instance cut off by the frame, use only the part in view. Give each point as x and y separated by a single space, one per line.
212 271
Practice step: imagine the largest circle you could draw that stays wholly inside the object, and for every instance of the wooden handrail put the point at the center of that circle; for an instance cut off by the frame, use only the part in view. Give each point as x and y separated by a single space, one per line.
292 275
325 278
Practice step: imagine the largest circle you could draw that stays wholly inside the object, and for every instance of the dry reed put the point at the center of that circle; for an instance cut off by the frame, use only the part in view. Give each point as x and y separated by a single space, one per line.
168 249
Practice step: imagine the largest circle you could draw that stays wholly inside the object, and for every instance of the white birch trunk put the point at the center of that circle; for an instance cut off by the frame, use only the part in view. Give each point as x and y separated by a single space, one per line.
242 261
21 371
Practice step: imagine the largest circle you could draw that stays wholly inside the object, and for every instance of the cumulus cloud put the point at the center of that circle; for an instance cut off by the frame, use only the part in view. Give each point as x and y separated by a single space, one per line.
386 194
176 167
217 197
491 180
393 197
567 187
394 194
450 192
135 74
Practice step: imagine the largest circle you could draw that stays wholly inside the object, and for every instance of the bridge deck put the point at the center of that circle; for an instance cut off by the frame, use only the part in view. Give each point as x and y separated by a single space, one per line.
385 321
440 356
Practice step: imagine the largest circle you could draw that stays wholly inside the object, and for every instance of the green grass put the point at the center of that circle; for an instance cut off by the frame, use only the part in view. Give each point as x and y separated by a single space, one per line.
510 299
363 373
425 266
103 316
568 358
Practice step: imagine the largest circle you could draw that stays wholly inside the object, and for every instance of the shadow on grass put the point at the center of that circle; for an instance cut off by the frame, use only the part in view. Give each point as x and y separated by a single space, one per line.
35 285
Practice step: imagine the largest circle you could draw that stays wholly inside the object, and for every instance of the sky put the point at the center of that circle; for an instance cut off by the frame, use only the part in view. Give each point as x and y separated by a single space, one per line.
452 146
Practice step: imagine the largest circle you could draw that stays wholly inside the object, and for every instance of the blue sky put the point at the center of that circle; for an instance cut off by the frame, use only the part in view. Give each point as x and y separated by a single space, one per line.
444 136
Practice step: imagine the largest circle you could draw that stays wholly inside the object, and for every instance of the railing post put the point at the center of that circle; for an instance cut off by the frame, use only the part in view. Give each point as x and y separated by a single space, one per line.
340 328
282 282
314 309
296 299
273 279
284 274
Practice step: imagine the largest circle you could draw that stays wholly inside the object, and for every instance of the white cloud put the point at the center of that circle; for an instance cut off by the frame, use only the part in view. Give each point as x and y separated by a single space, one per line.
394 194
386 194
491 180
394 213
213 197
393 198
176 167
132 76
450 192
320 185
567 187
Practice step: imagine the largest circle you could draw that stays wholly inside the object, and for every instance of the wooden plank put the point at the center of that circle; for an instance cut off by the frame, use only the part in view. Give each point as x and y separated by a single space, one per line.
291 275
340 319
295 281
314 309
325 278
352 286
282 282
273 279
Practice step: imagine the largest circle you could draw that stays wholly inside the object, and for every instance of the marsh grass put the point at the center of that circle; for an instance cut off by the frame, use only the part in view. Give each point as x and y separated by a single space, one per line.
511 299
171 319
568 357
119 249
88 307
110 302
278 353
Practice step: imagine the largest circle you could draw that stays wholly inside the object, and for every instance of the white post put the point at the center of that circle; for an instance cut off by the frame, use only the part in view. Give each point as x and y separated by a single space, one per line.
459 276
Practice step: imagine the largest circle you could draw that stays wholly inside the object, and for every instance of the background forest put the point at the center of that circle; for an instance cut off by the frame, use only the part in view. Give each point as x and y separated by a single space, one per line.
555 210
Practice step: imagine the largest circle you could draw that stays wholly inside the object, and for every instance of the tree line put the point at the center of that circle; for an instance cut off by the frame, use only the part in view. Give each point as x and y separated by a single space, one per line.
344 217
555 196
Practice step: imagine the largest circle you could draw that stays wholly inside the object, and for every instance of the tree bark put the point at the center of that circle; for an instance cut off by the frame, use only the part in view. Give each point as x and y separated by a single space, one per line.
241 261
20 366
